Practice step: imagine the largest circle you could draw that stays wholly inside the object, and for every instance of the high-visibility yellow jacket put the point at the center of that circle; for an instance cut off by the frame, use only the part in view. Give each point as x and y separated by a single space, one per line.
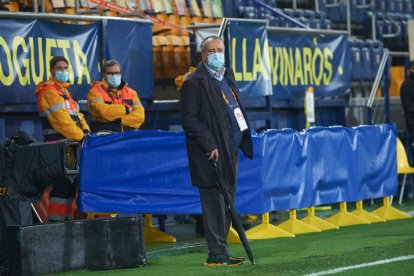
59 113
179 80
110 108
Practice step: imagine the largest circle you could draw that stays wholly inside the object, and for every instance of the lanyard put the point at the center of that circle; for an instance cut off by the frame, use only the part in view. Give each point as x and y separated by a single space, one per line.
71 102
225 98
115 97
68 96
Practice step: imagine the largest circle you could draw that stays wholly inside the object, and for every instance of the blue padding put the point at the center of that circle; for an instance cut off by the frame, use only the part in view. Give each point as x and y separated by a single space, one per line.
147 171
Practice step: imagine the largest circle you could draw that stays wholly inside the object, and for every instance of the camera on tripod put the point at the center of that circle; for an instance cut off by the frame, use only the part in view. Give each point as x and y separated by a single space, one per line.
28 167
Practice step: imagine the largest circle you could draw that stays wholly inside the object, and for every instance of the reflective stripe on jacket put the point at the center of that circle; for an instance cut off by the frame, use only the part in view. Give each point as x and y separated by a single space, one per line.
59 113
109 108
61 209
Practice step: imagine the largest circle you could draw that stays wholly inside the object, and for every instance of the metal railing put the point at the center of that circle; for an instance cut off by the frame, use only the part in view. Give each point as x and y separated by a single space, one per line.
280 14
366 6
397 33
378 77
66 17
334 4
376 112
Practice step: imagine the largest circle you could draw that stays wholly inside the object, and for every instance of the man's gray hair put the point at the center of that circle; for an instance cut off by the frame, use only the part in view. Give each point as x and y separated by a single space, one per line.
203 43
110 63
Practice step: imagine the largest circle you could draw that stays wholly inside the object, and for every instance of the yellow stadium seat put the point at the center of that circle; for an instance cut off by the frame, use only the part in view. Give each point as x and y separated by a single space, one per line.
197 19
403 167
158 29
178 53
167 58
186 56
156 50
69 11
209 20
48 7
111 13
185 20
174 18
218 20
162 16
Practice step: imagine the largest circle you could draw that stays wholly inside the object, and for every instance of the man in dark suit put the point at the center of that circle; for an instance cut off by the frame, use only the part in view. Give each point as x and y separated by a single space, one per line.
407 100
216 128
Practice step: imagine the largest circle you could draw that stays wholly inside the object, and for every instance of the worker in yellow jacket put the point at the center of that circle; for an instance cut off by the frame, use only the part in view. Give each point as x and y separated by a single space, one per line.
59 113
61 119
112 104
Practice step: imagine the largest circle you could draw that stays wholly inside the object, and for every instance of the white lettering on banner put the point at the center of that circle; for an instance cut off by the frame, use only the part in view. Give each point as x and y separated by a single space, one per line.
293 66
25 62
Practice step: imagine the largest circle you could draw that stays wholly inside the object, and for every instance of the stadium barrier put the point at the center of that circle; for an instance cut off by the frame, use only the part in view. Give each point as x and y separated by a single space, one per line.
345 218
388 212
359 211
317 222
290 170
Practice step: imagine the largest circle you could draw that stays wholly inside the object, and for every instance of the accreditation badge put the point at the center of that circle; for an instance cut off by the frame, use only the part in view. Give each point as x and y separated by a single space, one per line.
67 104
240 119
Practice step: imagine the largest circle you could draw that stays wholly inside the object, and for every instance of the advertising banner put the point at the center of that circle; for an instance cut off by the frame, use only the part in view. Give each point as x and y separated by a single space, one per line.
247 54
285 64
130 43
26 47
298 61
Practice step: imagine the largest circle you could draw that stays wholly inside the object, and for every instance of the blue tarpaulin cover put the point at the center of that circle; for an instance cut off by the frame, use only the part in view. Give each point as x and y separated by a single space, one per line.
147 171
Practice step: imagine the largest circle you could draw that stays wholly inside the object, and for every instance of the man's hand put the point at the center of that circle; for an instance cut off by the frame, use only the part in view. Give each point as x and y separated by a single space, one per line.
214 154
130 108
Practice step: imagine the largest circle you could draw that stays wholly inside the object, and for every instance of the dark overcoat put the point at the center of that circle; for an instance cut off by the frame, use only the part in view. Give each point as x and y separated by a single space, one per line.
207 126
407 95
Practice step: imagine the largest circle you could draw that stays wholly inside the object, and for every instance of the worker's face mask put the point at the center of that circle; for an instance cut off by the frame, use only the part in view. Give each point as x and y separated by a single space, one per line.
62 76
215 61
113 80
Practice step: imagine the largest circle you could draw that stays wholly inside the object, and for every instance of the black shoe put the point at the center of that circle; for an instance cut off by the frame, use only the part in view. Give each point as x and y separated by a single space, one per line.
222 260
242 259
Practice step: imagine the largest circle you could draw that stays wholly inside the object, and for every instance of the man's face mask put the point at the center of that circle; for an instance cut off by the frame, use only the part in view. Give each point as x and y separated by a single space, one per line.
62 76
113 80
215 61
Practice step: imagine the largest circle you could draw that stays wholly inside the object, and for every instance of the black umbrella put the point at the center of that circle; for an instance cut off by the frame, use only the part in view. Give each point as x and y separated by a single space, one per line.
236 223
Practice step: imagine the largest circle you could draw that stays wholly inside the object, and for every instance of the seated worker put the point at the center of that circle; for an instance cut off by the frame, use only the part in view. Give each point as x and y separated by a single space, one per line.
61 119
112 104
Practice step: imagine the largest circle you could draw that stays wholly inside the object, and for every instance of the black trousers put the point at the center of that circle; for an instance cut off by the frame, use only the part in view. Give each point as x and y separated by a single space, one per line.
216 217
12 212
409 120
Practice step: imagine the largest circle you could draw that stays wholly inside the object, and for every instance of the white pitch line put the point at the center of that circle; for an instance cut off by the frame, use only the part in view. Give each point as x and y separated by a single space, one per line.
340 269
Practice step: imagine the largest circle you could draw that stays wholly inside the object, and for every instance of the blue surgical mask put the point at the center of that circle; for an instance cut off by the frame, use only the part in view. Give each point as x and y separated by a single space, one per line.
62 76
215 61
113 80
